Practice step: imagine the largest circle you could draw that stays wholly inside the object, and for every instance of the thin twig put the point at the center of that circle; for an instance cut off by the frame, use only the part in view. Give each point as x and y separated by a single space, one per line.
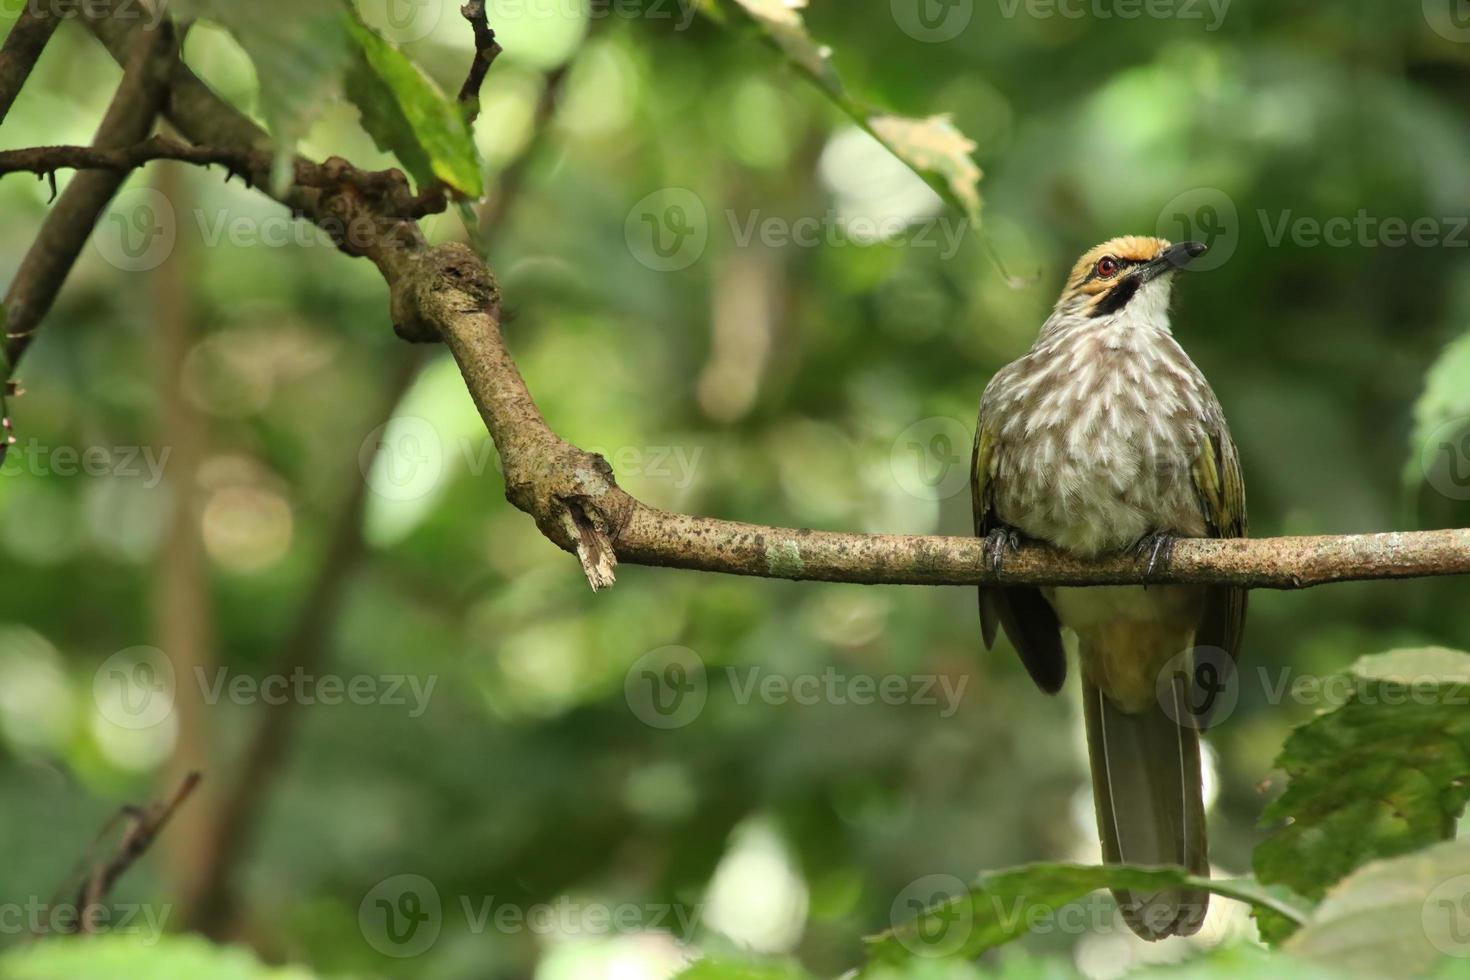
42 160
23 46
389 187
487 49
144 824
46 265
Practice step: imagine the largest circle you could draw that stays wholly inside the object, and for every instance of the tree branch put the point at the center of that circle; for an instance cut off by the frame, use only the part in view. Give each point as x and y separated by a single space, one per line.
447 293
23 47
486 51
389 188
144 824
128 120
48 159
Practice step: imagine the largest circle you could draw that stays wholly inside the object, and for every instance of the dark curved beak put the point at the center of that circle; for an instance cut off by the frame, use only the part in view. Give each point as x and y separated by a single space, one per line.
1172 258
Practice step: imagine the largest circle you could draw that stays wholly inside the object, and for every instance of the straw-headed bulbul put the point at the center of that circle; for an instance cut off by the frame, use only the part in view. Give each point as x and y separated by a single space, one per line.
1106 438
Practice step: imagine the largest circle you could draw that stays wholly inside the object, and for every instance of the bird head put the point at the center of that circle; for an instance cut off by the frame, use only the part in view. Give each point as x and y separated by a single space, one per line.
1128 272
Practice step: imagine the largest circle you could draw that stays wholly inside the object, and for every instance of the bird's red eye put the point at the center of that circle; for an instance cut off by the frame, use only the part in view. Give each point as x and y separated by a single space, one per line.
1107 267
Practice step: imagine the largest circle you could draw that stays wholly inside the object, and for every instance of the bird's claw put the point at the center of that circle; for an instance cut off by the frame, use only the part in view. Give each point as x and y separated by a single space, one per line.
1158 549
1000 543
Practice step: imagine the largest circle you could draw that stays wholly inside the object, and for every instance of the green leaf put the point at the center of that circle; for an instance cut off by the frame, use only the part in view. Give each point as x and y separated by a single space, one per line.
1444 404
933 148
299 48
144 954
1002 905
409 116
1386 773
1395 918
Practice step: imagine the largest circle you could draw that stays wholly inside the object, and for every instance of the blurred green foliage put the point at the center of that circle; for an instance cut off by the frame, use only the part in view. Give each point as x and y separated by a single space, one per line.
766 379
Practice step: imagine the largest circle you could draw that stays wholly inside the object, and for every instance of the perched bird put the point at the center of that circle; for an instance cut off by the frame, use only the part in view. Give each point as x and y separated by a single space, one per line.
1104 438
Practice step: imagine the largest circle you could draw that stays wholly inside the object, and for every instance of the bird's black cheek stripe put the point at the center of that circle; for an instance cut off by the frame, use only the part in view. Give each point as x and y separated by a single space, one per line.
1117 298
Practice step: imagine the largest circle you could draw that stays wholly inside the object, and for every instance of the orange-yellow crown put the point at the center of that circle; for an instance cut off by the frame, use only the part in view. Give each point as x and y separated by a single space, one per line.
1127 250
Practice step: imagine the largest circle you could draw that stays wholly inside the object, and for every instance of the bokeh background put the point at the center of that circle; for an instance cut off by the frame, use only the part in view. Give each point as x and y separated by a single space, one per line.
228 468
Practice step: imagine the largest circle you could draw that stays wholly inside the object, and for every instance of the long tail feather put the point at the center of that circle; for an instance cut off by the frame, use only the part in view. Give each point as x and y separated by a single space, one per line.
1150 807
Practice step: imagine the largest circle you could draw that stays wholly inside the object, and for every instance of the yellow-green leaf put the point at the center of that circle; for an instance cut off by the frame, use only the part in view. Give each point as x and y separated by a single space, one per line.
410 116
933 148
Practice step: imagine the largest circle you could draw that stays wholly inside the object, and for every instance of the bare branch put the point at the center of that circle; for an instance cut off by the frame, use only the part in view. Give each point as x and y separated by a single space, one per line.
144 824
447 292
389 188
23 47
128 120
486 51
47 159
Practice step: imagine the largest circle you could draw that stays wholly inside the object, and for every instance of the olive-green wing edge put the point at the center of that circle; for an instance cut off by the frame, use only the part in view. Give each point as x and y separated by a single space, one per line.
1022 612
1221 489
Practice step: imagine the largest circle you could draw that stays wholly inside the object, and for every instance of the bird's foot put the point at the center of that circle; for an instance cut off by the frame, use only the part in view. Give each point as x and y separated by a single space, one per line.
1000 544
1158 550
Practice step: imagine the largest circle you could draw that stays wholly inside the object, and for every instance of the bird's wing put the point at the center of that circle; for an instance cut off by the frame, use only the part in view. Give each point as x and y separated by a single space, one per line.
1221 490
1024 613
